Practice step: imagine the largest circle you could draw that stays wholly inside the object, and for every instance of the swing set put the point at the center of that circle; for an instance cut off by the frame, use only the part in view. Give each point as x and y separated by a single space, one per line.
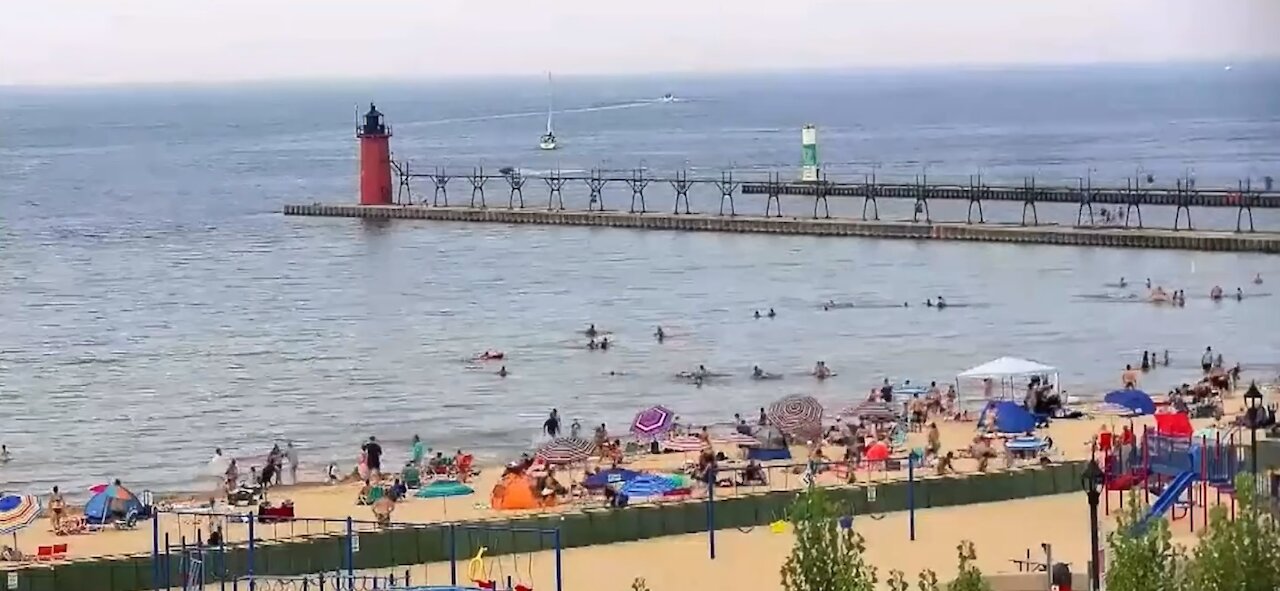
481 573
491 573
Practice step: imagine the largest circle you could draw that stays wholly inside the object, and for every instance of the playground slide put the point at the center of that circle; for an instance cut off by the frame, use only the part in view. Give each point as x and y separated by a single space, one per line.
1180 484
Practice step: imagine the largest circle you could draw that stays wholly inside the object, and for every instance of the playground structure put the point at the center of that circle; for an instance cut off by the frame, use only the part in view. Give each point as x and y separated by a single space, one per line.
1183 469
232 551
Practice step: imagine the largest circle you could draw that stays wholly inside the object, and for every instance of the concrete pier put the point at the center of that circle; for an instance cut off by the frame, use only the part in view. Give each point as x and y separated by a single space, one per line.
1043 234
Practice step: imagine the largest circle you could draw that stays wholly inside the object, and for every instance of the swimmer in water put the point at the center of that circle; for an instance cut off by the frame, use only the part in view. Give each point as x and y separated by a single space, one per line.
1148 283
502 373
591 331
591 344
1257 279
1239 294
756 372
701 373
604 344
941 303
928 303
772 313
1122 283
1215 293
658 334
757 314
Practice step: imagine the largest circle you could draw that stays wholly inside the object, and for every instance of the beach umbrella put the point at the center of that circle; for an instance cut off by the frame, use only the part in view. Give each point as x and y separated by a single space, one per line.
874 411
738 439
683 443
1135 400
566 450
17 511
653 422
607 477
1112 409
795 413
648 485
440 489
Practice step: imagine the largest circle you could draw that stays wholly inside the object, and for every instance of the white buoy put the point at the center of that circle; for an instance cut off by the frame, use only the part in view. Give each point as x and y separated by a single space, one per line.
809 153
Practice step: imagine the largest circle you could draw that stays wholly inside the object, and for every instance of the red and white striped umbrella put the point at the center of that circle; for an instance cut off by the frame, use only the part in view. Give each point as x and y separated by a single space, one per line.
566 450
683 443
795 414
736 438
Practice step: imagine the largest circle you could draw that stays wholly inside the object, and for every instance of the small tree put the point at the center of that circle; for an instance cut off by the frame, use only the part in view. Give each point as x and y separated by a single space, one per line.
970 578
1143 559
824 557
1241 554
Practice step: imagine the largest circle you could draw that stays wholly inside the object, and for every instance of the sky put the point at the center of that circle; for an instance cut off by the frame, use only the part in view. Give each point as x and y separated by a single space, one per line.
87 42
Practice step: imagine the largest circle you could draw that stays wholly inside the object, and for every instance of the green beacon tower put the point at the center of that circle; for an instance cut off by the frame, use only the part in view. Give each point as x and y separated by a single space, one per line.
809 154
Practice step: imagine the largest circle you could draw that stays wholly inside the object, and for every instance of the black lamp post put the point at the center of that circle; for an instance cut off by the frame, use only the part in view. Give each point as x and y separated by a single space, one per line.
1091 481
1253 400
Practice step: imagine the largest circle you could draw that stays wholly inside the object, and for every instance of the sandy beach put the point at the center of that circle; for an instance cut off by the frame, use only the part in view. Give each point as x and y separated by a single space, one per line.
751 560
336 502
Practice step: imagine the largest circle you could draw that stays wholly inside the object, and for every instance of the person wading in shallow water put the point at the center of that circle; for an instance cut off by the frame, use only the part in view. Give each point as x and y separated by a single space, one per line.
551 426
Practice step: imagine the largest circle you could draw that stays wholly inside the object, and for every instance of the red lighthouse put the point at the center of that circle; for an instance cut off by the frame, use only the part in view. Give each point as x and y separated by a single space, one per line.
375 159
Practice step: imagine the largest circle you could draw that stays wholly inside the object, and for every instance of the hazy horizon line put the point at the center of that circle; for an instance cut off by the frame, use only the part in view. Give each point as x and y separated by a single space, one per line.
453 79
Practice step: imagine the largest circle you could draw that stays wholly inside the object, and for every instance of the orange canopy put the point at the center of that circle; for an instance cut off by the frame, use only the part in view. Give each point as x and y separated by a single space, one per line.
515 491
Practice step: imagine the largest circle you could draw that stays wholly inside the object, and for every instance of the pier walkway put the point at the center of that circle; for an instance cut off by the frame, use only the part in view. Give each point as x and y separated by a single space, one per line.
1138 193
1261 242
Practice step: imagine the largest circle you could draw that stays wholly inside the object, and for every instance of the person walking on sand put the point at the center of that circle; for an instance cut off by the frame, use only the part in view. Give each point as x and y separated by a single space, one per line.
373 458
291 454
57 506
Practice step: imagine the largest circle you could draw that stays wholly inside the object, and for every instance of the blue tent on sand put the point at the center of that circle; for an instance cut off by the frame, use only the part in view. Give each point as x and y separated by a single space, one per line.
1010 417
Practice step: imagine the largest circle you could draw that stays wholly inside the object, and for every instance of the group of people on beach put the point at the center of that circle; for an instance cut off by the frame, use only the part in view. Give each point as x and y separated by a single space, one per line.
271 474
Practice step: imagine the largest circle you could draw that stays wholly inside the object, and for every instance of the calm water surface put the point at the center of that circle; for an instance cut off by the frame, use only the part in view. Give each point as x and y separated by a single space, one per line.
155 305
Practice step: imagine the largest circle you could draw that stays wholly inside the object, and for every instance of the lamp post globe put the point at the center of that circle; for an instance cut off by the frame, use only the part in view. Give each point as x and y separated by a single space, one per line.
1091 483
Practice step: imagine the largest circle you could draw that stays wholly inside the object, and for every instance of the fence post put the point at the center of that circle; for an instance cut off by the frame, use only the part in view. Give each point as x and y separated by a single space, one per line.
168 567
351 554
559 573
453 556
253 584
155 550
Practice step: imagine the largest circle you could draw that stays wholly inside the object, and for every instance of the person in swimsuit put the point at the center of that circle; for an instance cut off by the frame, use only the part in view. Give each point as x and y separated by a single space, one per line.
658 334
551 426
591 331
502 373
772 313
756 372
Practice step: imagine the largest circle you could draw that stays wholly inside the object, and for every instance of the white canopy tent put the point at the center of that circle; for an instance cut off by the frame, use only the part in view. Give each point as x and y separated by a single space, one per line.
1007 369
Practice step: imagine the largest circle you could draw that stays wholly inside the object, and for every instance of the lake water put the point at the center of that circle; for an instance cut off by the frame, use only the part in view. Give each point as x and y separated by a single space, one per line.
156 305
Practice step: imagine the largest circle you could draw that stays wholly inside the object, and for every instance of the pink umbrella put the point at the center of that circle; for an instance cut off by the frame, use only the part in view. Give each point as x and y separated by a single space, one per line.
683 443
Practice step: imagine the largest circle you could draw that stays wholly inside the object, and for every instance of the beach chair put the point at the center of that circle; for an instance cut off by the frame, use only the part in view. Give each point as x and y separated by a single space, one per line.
411 477
130 520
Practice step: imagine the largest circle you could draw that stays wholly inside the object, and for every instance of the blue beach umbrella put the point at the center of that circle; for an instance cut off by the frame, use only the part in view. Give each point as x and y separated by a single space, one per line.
648 485
1135 400
611 476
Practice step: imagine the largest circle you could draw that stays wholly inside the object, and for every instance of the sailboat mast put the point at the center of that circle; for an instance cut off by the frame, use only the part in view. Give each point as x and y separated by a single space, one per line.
550 101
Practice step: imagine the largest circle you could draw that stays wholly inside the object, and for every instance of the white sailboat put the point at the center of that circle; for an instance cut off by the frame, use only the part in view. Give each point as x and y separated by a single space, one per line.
548 141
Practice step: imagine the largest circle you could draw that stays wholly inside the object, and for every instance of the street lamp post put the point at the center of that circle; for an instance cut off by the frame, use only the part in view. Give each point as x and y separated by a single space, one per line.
1253 400
1091 482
